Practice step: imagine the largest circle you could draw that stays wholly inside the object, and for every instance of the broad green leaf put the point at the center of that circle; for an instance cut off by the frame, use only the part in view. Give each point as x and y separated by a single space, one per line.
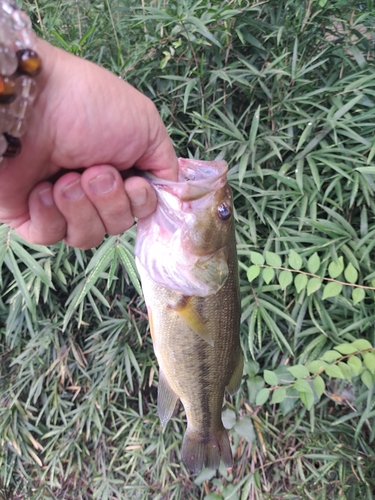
313 285
285 279
270 377
307 399
300 282
268 274
332 290
330 356
262 397
334 371
278 395
362 344
245 429
346 371
253 272
313 263
299 371
295 260
273 259
336 268
367 378
319 386
206 475
351 273
257 258
302 385
316 366
369 361
358 294
228 418
346 348
355 364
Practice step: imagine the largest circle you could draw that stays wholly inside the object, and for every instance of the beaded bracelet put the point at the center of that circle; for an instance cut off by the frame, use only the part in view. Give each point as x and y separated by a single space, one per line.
19 65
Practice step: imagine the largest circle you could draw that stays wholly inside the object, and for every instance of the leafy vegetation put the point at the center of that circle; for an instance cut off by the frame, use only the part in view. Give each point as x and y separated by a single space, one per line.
285 92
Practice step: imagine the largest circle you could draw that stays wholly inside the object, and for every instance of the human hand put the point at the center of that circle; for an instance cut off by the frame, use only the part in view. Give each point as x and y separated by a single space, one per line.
84 116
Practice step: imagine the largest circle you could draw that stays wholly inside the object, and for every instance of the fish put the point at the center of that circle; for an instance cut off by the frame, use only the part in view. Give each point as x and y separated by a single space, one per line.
186 258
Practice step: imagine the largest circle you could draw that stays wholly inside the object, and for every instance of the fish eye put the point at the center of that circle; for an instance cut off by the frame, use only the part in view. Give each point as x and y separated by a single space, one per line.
224 212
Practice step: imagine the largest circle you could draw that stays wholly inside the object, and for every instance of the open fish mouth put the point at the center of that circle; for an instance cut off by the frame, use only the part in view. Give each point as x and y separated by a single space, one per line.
169 243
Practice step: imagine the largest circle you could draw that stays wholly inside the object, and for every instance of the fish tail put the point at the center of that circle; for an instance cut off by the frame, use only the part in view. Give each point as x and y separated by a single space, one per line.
199 452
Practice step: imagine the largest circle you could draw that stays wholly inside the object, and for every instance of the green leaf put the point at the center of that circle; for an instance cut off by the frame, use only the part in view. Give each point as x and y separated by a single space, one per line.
262 397
330 356
253 272
278 395
358 294
205 475
268 274
245 429
300 282
228 418
355 365
346 348
273 259
336 268
295 260
316 366
351 273
313 285
346 371
369 361
257 258
270 377
129 263
334 371
285 279
362 344
313 263
302 385
367 378
319 386
332 290
307 399
299 371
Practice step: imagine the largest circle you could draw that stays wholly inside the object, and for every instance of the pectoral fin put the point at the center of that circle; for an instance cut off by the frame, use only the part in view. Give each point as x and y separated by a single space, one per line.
167 400
235 381
185 308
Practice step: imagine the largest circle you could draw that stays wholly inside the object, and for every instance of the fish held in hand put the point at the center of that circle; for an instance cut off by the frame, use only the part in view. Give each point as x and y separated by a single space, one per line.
186 257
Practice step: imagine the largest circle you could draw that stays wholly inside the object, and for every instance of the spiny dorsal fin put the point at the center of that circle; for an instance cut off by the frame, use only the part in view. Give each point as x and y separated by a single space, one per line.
185 308
167 400
235 381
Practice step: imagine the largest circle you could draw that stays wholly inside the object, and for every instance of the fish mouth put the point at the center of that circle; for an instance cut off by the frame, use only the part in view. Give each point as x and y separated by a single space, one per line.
196 179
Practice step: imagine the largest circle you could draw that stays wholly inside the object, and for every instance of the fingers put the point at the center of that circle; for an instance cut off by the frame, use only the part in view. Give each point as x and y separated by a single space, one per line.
82 208
44 225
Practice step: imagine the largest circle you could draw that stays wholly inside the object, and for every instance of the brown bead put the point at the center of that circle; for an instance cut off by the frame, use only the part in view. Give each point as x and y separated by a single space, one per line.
29 63
7 90
14 146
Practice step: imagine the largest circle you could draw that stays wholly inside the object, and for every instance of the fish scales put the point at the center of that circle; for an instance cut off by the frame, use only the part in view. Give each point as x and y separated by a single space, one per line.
196 338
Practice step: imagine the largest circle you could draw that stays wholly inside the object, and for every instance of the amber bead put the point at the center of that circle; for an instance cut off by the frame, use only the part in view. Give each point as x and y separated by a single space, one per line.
14 146
7 90
29 63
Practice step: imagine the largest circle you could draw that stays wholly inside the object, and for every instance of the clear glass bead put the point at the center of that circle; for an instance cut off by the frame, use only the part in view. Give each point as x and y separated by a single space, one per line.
18 128
19 107
26 87
6 119
3 145
8 61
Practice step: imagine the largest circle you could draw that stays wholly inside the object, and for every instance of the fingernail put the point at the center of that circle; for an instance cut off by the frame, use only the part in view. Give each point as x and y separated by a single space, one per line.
46 197
138 197
102 184
73 191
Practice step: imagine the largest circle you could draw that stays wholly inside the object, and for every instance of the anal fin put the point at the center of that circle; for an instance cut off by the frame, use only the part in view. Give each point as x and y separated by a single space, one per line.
185 308
167 400
235 381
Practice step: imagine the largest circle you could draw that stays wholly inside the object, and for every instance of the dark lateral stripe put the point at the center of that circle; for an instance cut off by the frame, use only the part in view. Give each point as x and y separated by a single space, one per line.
204 396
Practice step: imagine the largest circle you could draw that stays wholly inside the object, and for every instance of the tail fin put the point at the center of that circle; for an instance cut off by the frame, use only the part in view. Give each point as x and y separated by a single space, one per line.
198 452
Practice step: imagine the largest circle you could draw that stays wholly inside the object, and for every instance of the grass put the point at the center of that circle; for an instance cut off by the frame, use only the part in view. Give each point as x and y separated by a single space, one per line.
279 90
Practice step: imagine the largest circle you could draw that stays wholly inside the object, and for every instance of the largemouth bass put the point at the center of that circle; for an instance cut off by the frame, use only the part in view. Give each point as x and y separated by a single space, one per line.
186 257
